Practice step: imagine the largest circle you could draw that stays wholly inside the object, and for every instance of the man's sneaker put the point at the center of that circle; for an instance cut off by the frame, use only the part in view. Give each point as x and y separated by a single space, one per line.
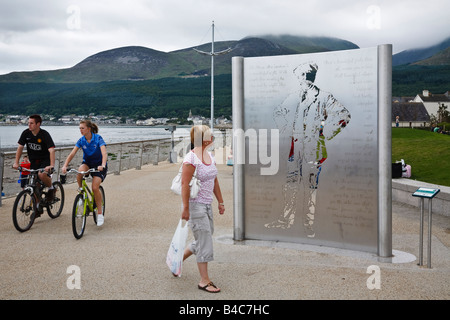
100 220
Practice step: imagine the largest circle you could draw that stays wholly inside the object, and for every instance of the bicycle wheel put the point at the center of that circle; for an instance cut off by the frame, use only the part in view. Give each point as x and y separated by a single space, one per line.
102 191
24 211
78 216
55 207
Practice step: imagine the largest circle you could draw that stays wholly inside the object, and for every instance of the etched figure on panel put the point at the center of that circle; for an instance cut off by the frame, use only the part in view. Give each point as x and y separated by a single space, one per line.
310 116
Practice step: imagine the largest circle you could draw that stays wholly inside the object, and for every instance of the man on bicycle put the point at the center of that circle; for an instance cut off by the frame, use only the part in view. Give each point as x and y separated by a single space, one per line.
40 150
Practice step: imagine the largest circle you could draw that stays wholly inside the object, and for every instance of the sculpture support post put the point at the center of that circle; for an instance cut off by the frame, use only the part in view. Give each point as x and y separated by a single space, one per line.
238 146
385 151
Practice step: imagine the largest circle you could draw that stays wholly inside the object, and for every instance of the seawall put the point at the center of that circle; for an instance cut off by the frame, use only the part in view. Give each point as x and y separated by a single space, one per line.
402 190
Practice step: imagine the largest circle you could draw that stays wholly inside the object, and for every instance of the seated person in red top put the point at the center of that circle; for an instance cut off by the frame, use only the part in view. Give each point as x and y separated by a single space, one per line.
24 174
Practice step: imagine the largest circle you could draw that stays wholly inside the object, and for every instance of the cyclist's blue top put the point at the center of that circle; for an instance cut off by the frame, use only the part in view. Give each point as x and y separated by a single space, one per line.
92 154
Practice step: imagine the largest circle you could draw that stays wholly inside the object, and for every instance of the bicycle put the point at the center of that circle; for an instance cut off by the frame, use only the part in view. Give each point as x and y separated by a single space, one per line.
31 201
84 204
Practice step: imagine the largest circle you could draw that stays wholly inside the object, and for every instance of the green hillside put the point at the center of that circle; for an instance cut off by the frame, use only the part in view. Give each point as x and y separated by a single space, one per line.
440 58
410 80
168 97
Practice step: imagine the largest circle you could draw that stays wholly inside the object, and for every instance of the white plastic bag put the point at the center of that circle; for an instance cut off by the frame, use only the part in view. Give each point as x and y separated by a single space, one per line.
174 259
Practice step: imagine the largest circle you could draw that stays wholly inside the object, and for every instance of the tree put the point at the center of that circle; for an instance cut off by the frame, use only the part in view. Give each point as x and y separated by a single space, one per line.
443 114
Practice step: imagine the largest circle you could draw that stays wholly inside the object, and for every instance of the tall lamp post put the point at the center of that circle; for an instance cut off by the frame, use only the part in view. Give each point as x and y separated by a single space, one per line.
212 54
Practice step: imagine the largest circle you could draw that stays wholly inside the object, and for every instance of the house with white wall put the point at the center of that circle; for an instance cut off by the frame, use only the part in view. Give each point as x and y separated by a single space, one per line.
433 101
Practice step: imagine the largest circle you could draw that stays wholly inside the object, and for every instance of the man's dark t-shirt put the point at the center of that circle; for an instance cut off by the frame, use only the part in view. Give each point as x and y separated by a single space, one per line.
37 146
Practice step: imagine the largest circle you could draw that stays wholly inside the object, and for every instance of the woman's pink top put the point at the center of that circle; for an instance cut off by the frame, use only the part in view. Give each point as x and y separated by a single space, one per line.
206 173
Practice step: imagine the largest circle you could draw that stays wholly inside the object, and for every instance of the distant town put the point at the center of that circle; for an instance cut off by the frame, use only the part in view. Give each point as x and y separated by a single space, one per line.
112 120
422 110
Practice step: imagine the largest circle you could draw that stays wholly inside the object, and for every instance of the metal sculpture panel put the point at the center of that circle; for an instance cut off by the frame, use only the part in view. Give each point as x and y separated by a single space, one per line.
311 162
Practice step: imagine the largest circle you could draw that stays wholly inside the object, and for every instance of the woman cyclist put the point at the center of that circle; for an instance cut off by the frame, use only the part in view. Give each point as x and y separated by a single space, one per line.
94 156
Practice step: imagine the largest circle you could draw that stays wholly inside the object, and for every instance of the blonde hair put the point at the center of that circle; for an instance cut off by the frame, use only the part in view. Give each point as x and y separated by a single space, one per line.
90 124
198 134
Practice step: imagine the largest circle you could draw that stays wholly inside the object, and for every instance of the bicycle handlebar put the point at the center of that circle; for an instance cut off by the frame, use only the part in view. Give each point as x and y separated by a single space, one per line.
33 170
82 172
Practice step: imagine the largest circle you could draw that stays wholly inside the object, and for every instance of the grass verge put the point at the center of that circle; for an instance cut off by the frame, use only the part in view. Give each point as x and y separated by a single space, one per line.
427 153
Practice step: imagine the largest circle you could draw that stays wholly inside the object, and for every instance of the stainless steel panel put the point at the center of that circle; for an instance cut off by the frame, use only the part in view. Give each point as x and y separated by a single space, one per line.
308 177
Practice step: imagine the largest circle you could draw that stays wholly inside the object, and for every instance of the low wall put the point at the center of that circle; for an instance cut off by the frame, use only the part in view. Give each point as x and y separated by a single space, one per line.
402 190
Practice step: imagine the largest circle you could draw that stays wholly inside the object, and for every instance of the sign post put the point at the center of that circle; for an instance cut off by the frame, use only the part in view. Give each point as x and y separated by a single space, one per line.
423 193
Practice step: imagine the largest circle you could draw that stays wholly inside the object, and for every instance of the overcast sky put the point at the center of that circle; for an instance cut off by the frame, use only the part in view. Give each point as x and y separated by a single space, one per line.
54 34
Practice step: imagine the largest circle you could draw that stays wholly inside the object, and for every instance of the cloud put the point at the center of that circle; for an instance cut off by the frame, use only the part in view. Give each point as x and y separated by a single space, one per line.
48 34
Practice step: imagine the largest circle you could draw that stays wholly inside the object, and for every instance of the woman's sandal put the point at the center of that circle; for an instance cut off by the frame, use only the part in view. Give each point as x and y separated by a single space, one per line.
209 285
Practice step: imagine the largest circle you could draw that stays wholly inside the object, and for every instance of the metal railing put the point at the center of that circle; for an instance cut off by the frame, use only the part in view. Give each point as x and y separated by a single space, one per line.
121 156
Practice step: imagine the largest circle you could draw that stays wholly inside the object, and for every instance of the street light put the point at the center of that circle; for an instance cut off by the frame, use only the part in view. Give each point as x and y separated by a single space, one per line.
212 54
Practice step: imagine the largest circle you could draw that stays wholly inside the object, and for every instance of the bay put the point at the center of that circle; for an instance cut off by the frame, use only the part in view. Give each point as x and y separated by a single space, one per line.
69 135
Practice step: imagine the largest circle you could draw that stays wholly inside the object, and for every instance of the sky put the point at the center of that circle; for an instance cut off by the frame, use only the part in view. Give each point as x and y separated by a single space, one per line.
56 34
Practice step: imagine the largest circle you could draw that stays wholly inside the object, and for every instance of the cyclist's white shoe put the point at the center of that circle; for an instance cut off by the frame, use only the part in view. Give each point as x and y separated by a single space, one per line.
100 220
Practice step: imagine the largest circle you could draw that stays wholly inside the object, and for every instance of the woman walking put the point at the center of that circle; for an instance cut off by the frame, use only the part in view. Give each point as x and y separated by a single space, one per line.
198 211
94 156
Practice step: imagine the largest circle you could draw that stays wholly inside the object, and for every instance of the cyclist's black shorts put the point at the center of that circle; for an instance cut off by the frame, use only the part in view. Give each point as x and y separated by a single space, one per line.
101 174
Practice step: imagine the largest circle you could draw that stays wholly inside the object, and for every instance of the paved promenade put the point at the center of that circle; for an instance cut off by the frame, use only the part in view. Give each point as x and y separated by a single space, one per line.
125 258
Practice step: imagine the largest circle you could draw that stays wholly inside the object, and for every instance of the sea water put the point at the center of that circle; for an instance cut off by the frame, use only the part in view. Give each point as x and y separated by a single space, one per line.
69 135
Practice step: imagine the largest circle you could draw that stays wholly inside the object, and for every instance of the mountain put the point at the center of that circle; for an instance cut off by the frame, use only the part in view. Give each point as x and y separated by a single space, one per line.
416 70
439 59
247 47
415 55
126 63
303 44
140 63
171 84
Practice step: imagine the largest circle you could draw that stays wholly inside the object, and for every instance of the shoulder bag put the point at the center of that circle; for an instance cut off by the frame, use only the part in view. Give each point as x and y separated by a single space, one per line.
194 185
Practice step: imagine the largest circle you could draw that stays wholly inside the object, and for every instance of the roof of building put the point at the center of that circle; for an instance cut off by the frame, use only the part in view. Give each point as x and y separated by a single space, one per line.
402 99
434 97
409 111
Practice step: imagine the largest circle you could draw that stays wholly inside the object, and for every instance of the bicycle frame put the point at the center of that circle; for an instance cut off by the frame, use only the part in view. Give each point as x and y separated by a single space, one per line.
34 183
84 204
88 195
26 210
